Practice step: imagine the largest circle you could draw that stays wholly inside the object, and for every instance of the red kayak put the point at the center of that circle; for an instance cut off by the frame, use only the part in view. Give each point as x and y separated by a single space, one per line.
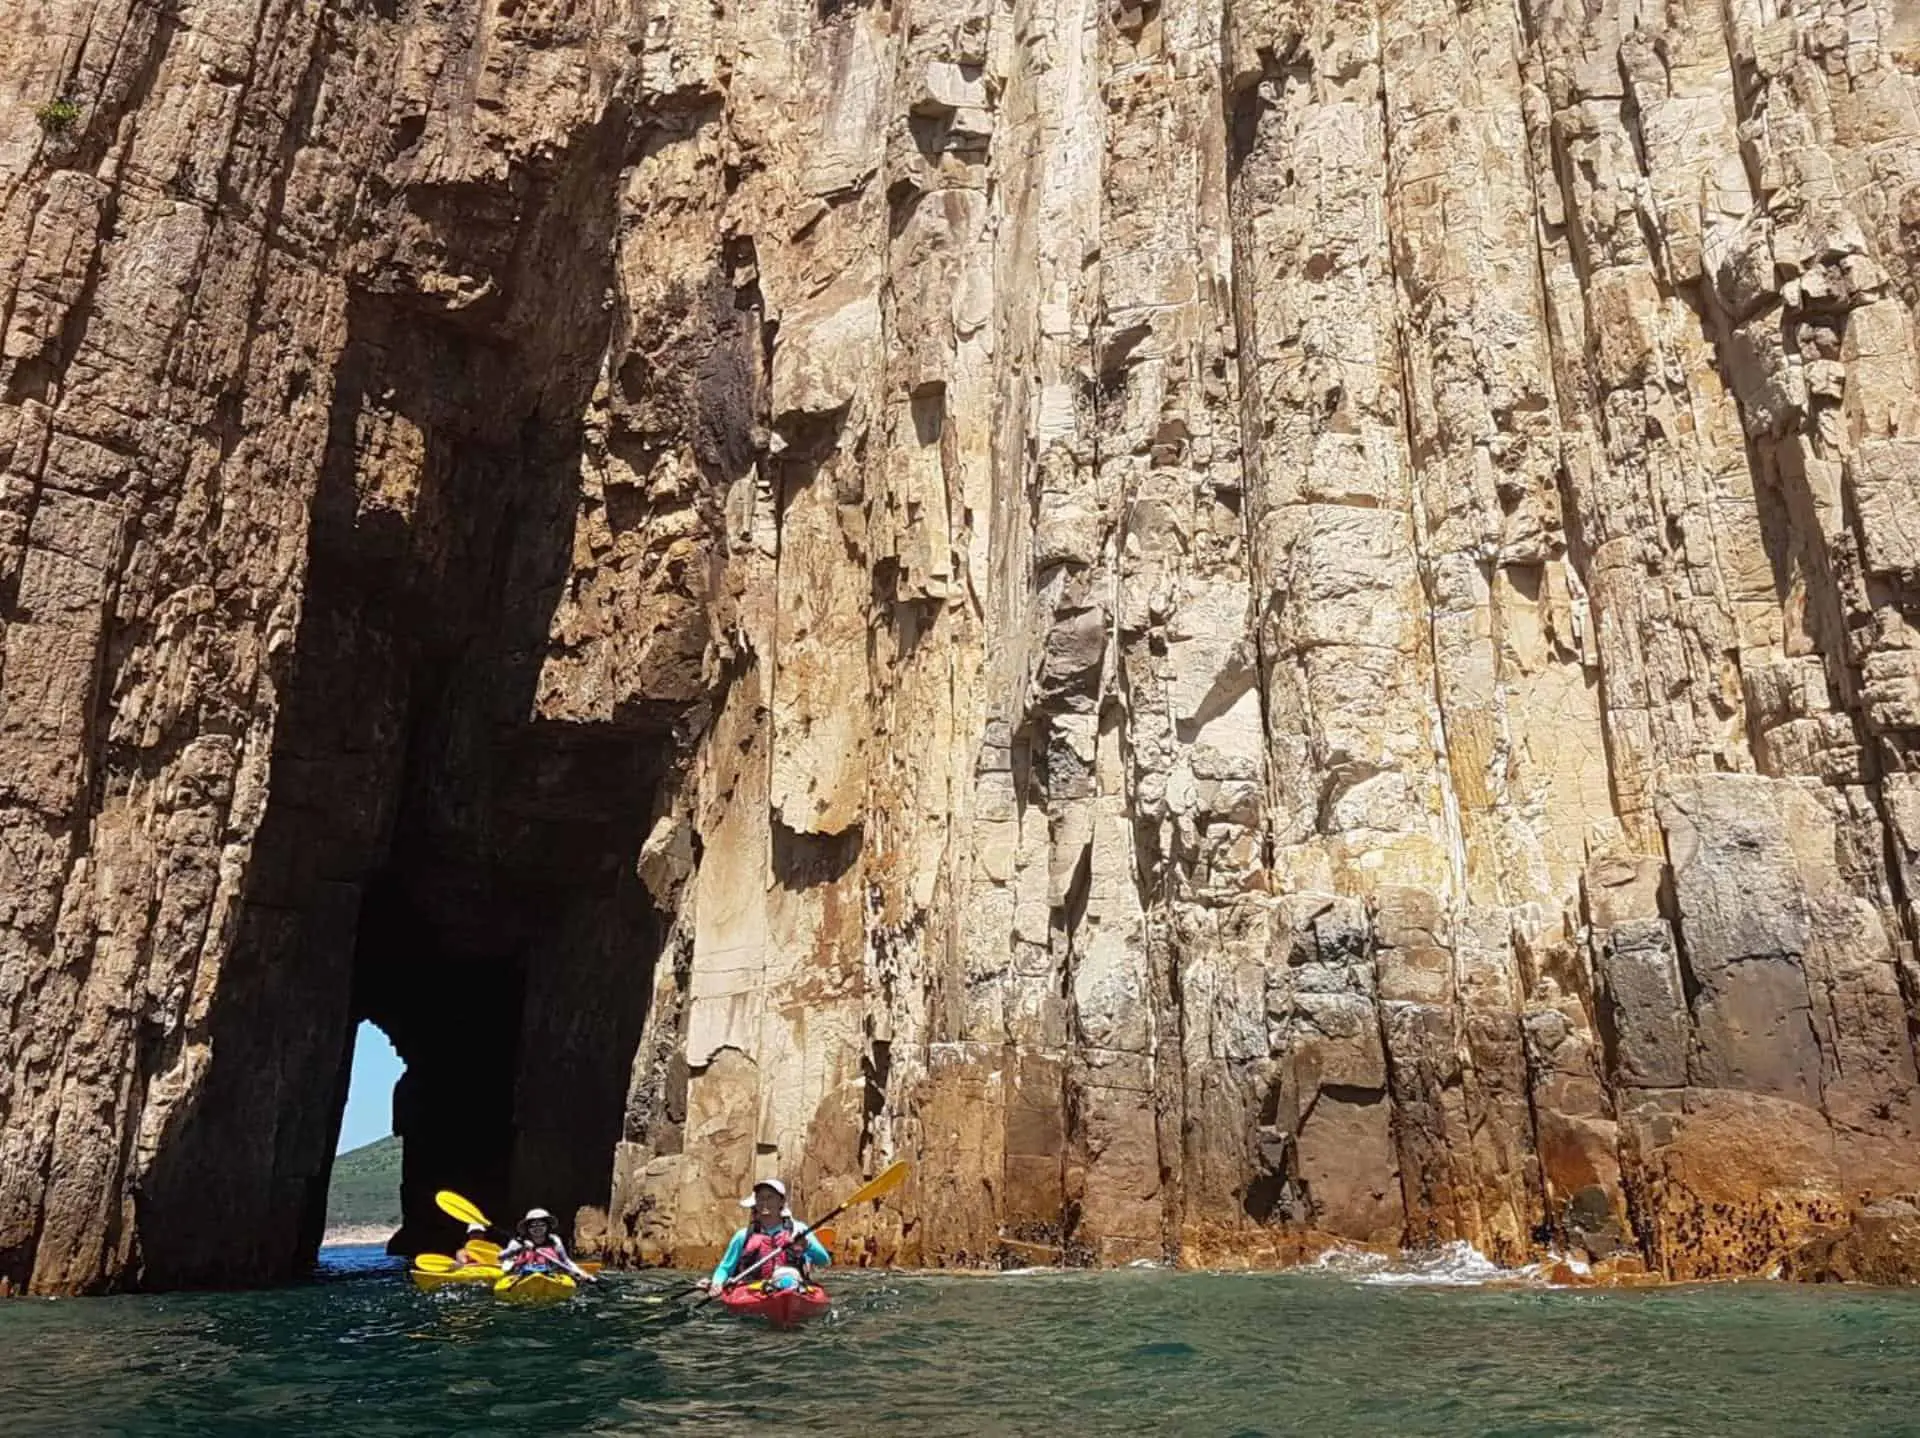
782 1307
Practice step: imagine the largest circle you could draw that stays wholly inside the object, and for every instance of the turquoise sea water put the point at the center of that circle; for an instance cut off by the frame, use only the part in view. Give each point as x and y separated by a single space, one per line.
358 1351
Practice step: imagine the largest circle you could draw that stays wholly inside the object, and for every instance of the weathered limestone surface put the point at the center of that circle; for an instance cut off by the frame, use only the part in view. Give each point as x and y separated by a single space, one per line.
1235 624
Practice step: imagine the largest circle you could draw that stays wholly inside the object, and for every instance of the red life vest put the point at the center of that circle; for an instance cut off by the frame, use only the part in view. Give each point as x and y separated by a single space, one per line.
758 1246
541 1257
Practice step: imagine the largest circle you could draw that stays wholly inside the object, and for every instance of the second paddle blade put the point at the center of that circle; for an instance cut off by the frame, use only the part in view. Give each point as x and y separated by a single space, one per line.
454 1206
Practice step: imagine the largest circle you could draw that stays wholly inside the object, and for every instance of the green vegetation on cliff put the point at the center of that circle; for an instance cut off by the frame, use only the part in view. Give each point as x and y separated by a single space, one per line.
365 1191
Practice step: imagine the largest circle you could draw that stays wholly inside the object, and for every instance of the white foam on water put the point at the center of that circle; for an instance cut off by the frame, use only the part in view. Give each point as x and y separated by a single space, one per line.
1351 1262
1453 1265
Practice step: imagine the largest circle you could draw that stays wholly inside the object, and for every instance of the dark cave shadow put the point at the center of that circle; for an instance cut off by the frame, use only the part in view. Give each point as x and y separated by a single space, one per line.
431 856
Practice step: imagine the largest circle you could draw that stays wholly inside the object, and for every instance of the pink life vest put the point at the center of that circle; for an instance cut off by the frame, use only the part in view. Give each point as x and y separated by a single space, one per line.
758 1246
541 1257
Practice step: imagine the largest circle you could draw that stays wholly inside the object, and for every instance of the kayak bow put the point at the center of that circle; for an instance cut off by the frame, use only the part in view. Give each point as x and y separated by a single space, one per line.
534 1287
782 1307
428 1280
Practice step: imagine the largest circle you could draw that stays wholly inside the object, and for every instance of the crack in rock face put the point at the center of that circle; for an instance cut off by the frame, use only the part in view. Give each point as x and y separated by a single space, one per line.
1237 629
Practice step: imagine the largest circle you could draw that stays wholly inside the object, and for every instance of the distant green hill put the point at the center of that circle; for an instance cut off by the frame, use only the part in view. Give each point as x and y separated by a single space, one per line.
366 1186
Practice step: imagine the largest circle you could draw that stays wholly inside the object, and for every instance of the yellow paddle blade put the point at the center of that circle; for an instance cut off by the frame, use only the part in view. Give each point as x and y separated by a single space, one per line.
454 1206
434 1263
483 1250
592 1265
879 1186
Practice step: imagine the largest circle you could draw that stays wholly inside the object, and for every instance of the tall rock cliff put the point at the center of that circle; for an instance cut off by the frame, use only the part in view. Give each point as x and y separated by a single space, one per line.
1233 624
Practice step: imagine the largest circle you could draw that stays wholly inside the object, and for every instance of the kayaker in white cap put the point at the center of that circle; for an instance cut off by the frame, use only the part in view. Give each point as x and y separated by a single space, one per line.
464 1256
535 1245
770 1230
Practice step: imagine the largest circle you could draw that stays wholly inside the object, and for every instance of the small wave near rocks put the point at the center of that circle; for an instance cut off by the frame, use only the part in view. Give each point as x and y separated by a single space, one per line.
1452 1265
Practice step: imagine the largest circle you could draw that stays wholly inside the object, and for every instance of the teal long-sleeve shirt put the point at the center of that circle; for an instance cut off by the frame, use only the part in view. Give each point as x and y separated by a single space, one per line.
816 1255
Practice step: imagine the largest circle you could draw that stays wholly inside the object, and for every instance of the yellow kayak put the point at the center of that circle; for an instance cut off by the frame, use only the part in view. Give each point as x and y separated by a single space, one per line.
472 1274
534 1287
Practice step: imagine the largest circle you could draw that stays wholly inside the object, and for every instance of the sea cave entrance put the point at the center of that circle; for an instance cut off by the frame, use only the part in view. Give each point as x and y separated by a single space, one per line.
448 850
363 1192
474 856
515 991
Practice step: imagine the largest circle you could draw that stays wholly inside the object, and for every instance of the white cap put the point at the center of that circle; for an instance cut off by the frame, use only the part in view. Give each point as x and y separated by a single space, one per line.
772 1183
534 1213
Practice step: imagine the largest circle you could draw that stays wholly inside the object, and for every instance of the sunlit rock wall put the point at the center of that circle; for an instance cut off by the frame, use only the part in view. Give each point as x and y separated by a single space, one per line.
1279 623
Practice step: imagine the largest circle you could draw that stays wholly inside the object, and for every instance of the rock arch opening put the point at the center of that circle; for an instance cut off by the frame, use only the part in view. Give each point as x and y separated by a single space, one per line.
363 1189
443 852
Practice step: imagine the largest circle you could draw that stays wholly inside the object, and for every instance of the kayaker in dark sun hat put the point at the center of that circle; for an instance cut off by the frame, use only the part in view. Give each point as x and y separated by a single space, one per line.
535 1246
770 1230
